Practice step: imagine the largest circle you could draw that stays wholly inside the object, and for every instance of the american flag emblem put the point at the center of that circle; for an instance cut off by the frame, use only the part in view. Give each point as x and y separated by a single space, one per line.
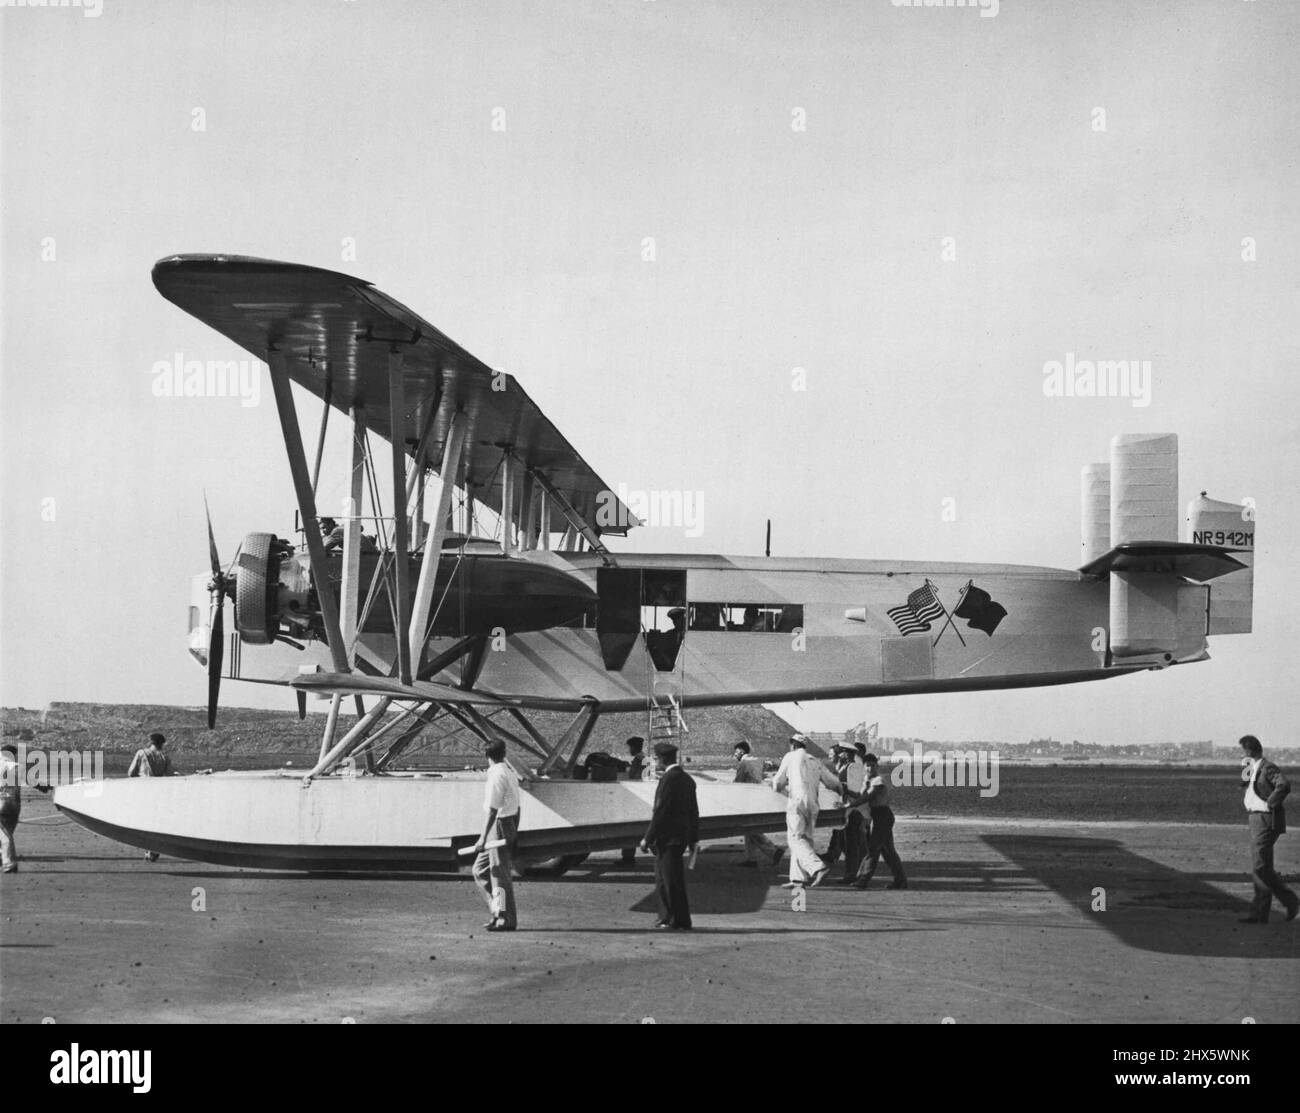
922 608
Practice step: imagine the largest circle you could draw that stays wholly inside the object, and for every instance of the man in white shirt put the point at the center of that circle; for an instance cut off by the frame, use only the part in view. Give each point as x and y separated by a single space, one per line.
492 867
12 777
1265 788
11 805
800 775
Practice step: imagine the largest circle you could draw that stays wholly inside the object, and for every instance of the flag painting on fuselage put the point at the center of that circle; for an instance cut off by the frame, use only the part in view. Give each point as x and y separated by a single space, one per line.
922 608
979 609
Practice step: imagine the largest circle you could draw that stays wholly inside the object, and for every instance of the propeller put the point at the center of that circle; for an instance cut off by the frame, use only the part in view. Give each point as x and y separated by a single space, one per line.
218 588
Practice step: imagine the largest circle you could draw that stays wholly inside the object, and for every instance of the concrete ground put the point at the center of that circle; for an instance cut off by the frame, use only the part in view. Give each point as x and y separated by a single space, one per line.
999 924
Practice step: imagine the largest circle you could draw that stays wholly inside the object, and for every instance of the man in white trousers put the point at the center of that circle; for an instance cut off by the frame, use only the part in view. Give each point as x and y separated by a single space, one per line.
798 777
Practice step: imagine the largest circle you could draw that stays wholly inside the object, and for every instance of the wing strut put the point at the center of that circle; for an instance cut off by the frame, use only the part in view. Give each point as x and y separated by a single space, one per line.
578 732
350 586
324 425
576 521
397 427
433 544
352 738
284 406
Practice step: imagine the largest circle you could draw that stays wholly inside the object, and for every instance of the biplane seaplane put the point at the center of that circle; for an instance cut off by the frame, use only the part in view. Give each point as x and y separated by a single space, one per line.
428 620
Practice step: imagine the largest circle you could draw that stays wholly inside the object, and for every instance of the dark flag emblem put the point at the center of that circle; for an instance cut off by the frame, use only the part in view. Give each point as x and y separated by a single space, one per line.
979 610
922 608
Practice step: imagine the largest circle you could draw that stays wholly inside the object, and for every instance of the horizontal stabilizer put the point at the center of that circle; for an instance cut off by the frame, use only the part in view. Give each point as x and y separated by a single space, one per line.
1195 562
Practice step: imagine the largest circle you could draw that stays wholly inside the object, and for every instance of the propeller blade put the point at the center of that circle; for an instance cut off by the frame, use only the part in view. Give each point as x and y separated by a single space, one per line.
302 705
234 560
216 651
212 540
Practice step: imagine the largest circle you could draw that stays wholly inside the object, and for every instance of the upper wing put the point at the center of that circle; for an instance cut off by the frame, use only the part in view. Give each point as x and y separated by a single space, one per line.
339 329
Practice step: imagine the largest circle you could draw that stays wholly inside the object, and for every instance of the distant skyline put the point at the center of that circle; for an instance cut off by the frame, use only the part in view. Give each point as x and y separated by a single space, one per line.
805 262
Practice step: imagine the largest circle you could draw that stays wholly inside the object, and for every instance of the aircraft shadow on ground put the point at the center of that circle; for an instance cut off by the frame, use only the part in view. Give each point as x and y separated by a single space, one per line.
1149 905
717 889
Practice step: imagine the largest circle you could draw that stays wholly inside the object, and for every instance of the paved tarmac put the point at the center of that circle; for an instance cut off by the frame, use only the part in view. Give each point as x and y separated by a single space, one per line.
998 924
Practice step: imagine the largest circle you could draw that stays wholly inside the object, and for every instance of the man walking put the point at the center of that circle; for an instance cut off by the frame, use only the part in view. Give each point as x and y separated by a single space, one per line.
749 771
11 805
859 819
1265 789
492 866
881 840
150 761
840 758
799 777
674 829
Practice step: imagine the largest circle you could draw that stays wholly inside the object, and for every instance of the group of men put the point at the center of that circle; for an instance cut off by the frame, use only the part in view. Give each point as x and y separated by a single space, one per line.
868 833
149 761
866 837
674 831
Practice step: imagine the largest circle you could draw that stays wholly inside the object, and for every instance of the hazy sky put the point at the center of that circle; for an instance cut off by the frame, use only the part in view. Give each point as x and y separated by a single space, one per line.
802 169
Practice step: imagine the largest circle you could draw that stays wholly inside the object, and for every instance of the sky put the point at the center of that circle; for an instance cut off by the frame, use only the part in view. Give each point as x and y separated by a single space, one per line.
806 260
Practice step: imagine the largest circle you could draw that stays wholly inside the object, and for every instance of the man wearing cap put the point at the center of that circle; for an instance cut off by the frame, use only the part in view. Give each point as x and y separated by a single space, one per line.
800 775
881 840
150 761
1265 789
749 771
674 829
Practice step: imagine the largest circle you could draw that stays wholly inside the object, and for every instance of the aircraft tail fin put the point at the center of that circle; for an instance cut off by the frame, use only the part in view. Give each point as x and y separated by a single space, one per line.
1162 604
1232 526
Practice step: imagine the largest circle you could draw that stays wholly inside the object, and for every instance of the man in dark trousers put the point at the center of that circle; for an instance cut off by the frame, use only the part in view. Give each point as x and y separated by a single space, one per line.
634 772
674 829
881 840
1265 789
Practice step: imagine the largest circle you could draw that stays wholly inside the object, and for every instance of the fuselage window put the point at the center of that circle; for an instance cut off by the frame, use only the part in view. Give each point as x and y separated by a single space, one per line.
751 618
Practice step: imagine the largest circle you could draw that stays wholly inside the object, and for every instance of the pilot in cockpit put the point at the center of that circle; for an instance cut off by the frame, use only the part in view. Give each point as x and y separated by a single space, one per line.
332 533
